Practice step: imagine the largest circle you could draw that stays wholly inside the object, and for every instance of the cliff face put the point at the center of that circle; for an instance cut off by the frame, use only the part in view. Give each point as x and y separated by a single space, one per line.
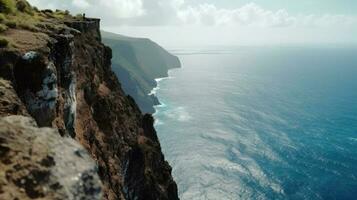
138 62
61 73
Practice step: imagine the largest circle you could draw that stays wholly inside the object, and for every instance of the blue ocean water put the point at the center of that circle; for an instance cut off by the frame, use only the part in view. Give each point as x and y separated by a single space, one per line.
261 123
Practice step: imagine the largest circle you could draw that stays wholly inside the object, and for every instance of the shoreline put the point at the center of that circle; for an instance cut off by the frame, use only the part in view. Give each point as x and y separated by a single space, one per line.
155 89
158 80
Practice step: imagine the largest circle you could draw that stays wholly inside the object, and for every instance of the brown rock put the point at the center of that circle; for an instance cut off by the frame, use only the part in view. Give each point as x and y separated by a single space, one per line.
65 81
36 163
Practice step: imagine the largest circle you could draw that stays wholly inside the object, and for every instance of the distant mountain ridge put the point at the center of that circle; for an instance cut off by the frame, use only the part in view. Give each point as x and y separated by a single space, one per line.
137 62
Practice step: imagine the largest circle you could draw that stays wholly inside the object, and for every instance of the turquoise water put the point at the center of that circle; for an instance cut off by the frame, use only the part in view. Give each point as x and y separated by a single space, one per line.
261 123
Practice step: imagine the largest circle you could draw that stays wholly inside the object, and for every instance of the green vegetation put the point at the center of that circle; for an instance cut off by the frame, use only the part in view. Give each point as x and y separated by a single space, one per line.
3 42
17 13
59 15
7 6
14 6
79 16
23 7
28 26
20 14
10 24
3 28
2 17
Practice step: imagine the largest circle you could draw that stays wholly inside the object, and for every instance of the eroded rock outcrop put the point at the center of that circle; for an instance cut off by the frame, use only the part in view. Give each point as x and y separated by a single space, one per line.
37 163
10 103
60 74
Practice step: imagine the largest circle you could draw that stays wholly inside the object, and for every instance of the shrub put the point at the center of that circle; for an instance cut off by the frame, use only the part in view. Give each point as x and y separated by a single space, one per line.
24 7
58 15
28 26
2 17
11 24
79 17
3 28
7 6
3 42
21 6
41 25
47 11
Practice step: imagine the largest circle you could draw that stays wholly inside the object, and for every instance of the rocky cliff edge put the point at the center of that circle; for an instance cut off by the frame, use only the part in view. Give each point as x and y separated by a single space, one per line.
55 70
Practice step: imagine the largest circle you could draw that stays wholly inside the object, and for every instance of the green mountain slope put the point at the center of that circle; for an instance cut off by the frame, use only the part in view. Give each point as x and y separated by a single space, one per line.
137 62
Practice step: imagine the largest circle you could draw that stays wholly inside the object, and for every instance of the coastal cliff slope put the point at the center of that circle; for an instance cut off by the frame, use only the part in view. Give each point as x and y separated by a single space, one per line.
55 69
138 62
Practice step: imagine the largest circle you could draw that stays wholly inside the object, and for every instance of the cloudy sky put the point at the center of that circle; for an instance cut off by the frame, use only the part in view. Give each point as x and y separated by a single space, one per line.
223 22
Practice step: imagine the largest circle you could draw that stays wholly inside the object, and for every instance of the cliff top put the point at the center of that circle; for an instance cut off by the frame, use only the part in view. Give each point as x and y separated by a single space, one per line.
23 27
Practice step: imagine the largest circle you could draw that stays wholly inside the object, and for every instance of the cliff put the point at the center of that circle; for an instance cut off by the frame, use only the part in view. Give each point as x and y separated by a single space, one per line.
54 69
137 62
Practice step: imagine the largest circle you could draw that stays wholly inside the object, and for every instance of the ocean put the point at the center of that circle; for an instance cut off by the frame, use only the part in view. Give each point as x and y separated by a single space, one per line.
261 122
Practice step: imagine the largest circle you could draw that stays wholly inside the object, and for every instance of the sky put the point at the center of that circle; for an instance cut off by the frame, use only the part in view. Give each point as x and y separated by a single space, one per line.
175 23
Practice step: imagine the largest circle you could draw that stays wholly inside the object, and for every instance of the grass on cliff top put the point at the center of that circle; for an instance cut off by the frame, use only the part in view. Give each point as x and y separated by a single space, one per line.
3 42
17 13
7 6
20 14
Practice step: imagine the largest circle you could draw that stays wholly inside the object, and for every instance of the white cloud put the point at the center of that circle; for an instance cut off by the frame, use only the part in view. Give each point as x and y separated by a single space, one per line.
179 12
81 4
253 15
109 10
326 20
164 20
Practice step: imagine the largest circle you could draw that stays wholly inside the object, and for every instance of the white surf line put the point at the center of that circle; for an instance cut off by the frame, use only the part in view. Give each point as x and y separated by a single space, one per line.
155 89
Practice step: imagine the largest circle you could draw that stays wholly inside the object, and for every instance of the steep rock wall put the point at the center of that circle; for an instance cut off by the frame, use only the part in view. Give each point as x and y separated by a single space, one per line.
64 79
